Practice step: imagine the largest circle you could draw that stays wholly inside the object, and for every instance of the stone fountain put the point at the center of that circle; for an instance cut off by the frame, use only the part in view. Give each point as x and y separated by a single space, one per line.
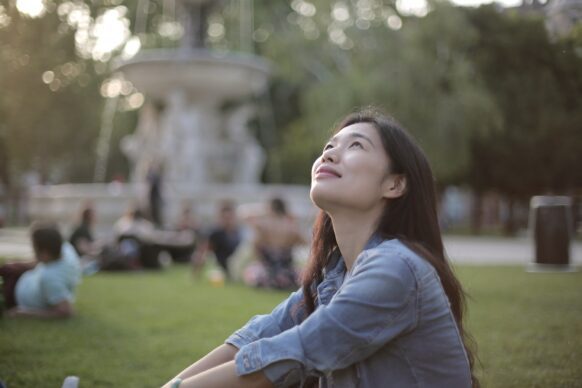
193 127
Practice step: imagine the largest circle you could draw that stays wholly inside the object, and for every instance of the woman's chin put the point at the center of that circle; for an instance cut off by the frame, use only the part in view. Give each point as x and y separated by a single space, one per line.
322 199
315 196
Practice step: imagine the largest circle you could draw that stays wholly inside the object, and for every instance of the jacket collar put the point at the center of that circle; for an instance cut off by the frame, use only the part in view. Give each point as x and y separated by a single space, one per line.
336 263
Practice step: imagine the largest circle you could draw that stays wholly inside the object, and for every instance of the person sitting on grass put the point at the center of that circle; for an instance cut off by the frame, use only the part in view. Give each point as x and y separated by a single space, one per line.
276 234
83 240
223 240
45 288
379 305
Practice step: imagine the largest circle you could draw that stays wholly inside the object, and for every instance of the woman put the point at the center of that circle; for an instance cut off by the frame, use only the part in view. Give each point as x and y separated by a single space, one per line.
379 306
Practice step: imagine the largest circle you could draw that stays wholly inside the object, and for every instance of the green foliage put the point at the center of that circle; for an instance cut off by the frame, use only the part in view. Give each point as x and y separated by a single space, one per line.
140 329
537 86
419 73
50 104
488 95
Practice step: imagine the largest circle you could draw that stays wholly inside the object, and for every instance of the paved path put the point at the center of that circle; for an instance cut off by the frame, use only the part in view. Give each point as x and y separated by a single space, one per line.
14 243
496 250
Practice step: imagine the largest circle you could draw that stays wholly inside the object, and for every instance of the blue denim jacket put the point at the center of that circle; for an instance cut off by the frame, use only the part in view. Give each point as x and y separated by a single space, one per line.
388 323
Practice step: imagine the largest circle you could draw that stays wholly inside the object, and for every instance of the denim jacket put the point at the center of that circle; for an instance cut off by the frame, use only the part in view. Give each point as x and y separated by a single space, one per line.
388 323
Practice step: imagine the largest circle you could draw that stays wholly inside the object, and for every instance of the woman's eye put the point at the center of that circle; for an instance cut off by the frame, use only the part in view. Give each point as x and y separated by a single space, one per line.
327 147
356 144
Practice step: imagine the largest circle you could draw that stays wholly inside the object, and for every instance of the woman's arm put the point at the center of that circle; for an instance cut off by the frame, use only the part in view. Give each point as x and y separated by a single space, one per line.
376 304
220 355
225 376
287 314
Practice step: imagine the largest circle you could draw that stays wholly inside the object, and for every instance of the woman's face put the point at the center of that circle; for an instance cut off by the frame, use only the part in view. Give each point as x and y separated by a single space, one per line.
352 172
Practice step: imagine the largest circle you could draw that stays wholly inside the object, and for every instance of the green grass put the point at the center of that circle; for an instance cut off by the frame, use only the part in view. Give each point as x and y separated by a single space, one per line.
528 326
139 329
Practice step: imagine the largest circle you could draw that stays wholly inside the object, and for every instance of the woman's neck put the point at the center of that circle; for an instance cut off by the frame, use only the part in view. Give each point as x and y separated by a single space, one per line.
352 232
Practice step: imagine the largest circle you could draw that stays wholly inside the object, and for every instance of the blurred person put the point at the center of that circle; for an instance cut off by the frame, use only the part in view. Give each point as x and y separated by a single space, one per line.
133 246
134 223
222 240
154 179
379 305
276 234
45 288
82 237
186 223
84 242
138 242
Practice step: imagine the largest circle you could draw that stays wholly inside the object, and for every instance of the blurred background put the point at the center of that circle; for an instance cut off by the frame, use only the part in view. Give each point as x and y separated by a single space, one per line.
235 99
182 111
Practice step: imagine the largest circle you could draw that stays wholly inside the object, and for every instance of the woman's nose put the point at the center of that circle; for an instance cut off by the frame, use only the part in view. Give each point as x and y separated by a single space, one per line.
329 155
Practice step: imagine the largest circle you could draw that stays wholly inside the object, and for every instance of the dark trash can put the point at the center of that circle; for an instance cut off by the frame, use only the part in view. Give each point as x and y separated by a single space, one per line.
551 227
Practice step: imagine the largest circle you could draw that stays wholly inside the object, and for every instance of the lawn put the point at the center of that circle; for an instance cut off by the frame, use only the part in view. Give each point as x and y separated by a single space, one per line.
139 329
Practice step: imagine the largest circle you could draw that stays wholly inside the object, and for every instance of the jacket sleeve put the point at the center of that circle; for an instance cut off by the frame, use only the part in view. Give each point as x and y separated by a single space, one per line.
374 305
287 314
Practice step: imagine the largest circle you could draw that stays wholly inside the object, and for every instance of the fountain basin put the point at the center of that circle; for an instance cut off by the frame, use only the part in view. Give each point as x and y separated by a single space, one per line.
201 73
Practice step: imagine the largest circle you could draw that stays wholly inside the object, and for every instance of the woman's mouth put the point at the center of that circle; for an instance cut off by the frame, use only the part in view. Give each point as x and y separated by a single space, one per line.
326 172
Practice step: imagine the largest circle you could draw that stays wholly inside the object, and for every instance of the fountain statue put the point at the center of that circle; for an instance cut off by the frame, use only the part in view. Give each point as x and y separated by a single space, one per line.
184 126
192 127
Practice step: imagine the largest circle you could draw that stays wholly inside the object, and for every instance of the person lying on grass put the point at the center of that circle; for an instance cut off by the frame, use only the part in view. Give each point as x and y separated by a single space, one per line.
45 288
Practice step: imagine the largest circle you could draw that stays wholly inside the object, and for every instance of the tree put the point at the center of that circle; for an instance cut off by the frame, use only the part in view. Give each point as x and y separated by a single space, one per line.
416 68
52 64
537 86
50 100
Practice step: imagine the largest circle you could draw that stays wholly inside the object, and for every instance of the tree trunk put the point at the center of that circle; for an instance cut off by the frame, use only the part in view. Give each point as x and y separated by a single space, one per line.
477 213
509 227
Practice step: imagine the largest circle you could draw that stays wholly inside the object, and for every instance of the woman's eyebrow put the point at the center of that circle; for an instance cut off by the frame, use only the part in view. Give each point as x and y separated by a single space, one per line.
354 135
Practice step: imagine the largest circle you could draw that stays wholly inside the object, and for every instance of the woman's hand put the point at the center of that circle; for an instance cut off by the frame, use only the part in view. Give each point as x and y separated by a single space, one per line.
216 357
224 376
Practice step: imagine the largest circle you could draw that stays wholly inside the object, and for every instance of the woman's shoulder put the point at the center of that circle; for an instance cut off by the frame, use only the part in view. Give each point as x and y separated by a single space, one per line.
395 253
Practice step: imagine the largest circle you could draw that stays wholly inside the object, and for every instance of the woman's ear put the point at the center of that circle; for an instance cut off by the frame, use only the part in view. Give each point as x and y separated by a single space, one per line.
395 186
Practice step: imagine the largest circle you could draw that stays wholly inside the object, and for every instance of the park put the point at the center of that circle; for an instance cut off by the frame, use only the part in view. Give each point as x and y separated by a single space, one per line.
192 156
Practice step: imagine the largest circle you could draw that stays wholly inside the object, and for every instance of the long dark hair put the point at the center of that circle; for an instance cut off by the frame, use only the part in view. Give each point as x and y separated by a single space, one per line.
411 218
